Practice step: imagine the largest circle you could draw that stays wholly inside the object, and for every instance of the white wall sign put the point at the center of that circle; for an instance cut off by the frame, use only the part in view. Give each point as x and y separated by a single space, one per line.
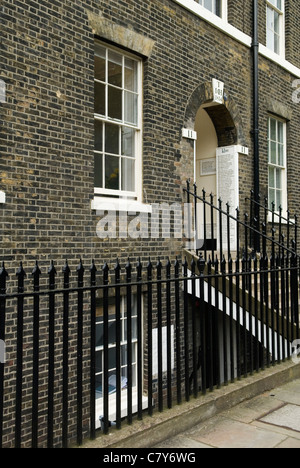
228 185
218 91
208 167
189 134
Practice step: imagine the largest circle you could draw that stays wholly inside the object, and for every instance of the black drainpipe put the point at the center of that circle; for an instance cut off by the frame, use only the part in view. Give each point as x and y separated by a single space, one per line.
255 45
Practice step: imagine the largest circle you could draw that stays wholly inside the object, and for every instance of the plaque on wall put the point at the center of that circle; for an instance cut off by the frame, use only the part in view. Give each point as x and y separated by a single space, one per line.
208 167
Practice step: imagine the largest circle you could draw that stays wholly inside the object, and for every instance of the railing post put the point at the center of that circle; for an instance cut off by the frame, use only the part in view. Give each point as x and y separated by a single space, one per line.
93 271
51 273
224 306
204 223
80 273
273 286
169 345
201 267
149 335
216 327
159 336
283 300
128 269
212 225
35 381
194 379
20 326
118 343
105 386
186 329
220 228
178 331
3 278
228 231
65 398
210 338
139 269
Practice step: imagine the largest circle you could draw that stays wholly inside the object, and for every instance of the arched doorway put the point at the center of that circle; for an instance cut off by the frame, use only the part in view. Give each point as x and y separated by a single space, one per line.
220 141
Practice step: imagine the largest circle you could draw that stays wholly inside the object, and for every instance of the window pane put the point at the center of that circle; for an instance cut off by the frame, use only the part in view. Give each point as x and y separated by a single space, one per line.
280 132
278 178
278 202
271 177
99 68
114 103
115 69
130 75
98 171
99 98
99 334
112 358
112 173
112 138
128 142
273 130
99 386
280 155
128 175
99 355
130 108
271 198
98 135
276 22
208 4
112 332
273 153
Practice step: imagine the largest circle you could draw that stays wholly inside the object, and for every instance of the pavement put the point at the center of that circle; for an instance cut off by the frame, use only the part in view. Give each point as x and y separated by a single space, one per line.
270 420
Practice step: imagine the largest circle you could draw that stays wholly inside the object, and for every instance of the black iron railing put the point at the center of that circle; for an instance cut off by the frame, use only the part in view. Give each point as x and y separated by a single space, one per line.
99 348
216 228
87 350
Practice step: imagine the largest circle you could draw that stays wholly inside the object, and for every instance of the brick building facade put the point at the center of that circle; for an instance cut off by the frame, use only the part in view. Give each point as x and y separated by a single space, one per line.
95 96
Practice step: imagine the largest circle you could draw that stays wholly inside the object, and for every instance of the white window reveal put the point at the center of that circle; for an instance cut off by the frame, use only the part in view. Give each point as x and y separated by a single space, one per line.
275 26
117 123
277 164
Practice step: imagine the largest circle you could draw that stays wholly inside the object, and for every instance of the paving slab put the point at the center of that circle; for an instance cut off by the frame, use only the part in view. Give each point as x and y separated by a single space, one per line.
289 393
251 410
289 443
279 429
182 442
288 417
221 432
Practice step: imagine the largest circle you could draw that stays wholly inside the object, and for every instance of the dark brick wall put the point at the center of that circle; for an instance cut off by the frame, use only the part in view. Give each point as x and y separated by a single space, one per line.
46 125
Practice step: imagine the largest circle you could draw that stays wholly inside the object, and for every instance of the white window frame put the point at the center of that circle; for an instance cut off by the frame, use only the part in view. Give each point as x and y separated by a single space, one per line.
214 3
282 168
281 12
109 194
